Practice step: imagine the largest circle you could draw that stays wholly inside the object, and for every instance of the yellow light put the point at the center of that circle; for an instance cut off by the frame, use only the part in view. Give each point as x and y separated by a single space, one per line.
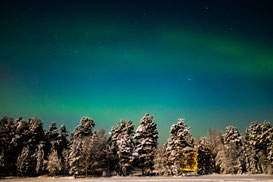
191 166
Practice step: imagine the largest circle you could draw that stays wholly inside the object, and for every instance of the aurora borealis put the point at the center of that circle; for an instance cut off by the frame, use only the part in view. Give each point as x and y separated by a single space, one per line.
206 61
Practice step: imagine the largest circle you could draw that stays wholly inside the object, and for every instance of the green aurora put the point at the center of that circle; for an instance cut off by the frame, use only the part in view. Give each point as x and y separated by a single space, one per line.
111 65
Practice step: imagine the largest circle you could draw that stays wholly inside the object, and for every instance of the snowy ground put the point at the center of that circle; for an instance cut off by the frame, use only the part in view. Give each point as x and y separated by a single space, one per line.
207 178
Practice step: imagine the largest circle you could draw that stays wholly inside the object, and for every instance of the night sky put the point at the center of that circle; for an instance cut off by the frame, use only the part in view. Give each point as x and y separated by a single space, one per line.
210 62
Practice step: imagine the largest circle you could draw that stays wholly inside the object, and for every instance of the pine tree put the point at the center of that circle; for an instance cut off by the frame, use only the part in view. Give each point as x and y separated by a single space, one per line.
121 139
146 143
268 139
7 157
64 150
204 158
40 156
80 142
97 154
19 140
258 148
20 137
230 158
63 138
29 161
180 148
111 155
54 164
53 137
251 148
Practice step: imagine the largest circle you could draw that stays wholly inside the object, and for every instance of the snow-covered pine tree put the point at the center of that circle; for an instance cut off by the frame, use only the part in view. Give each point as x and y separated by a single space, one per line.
230 158
122 144
64 150
54 165
52 136
19 140
145 144
267 138
180 147
54 155
7 157
96 159
40 157
80 141
251 148
111 156
204 158
258 148
63 138
29 161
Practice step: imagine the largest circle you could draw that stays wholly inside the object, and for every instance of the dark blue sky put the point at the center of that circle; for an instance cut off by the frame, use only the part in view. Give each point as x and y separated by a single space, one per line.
210 62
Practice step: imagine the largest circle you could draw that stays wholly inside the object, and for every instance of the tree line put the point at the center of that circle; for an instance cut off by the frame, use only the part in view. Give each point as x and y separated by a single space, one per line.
26 149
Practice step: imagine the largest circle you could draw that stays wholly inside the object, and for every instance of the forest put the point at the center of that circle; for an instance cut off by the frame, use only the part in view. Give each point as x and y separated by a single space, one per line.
26 149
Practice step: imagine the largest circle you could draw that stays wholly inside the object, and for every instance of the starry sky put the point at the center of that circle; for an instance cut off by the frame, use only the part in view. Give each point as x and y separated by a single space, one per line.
210 62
